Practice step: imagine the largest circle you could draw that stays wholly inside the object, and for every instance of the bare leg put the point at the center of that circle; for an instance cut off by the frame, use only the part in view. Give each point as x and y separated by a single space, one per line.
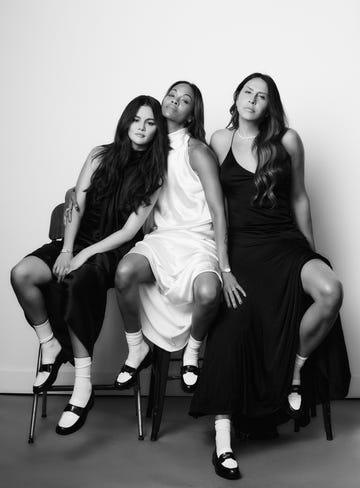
206 299
26 278
132 270
207 288
321 283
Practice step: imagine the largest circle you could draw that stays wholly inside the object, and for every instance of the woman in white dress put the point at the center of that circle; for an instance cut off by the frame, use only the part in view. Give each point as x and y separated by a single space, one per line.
170 282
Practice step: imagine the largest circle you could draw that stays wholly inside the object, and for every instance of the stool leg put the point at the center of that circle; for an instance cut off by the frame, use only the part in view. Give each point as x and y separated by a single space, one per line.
44 404
34 404
296 425
313 410
162 359
33 418
137 396
150 403
327 420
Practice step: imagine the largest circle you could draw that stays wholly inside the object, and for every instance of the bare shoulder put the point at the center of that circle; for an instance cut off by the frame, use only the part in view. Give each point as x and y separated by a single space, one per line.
220 142
199 149
292 142
93 158
94 153
200 155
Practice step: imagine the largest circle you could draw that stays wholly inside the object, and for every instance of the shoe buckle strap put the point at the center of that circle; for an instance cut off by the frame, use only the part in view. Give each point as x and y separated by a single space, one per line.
74 409
226 455
189 369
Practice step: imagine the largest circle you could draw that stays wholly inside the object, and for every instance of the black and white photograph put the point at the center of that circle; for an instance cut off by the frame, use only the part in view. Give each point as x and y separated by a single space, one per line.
180 244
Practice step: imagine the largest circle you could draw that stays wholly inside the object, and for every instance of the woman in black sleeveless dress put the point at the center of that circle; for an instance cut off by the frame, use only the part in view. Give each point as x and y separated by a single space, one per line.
259 343
62 286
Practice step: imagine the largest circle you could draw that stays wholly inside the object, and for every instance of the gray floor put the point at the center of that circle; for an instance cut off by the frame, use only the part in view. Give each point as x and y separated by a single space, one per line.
106 452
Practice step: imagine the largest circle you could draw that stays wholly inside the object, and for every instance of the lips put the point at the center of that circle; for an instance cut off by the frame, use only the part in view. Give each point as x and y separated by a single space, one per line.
139 135
171 107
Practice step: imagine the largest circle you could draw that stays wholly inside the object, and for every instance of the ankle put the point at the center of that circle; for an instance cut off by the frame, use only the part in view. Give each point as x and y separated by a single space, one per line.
49 350
138 348
223 436
299 363
191 352
82 385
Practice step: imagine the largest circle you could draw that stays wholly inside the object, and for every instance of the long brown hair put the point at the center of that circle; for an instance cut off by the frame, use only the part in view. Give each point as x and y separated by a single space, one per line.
271 154
137 189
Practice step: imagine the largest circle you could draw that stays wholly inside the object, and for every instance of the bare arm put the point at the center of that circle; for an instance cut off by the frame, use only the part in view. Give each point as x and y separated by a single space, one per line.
299 198
129 230
203 161
61 265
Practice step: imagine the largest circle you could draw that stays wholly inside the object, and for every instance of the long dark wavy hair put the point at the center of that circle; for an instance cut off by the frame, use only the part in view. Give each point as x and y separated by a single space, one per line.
196 126
271 154
132 175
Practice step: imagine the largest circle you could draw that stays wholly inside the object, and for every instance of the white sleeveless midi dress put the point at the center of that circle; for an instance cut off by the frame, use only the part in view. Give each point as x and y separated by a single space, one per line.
180 247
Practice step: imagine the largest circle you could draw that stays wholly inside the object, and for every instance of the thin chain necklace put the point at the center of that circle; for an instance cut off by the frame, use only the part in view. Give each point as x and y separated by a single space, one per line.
245 137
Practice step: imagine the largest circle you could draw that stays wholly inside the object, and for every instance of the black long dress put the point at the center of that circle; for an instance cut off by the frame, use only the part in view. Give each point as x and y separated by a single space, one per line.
250 351
79 301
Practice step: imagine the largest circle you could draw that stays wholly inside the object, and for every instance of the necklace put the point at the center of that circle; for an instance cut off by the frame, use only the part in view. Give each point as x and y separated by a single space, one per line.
245 137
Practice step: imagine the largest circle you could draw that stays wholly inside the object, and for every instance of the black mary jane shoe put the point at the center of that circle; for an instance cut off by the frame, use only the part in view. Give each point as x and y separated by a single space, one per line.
82 413
53 369
223 471
133 372
292 412
189 369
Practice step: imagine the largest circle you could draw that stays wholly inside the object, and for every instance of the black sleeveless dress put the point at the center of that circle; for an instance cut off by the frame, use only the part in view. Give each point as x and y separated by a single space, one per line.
250 351
79 301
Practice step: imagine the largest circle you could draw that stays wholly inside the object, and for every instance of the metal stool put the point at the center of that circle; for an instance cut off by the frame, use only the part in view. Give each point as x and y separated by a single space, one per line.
158 380
326 412
137 396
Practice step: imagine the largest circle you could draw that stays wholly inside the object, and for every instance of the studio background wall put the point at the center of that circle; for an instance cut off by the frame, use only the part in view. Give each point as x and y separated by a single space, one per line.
68 69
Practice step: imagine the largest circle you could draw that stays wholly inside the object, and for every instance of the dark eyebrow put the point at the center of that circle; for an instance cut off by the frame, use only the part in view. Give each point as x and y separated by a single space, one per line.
264 93
185 94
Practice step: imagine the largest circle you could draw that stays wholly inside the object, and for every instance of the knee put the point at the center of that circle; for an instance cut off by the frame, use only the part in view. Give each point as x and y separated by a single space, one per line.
207 295
331 296
125 276
19 275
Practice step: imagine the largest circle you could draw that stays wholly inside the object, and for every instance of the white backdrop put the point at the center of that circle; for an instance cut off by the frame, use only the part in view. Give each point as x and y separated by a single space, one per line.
70 66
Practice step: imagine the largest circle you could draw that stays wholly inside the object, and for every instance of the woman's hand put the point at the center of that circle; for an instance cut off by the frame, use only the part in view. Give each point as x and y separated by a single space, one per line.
62 264
232 290
78 260
71 204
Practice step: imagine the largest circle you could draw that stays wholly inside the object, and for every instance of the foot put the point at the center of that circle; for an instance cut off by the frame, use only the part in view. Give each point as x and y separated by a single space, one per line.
128 373
189 377
74 417
52 357
226 466
294 401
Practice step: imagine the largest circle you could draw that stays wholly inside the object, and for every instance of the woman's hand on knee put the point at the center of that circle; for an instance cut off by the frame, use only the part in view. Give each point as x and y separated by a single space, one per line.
232 290
62 265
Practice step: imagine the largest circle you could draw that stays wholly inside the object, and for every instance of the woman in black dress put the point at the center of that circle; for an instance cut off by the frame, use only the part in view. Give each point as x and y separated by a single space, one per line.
260 342
62 286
